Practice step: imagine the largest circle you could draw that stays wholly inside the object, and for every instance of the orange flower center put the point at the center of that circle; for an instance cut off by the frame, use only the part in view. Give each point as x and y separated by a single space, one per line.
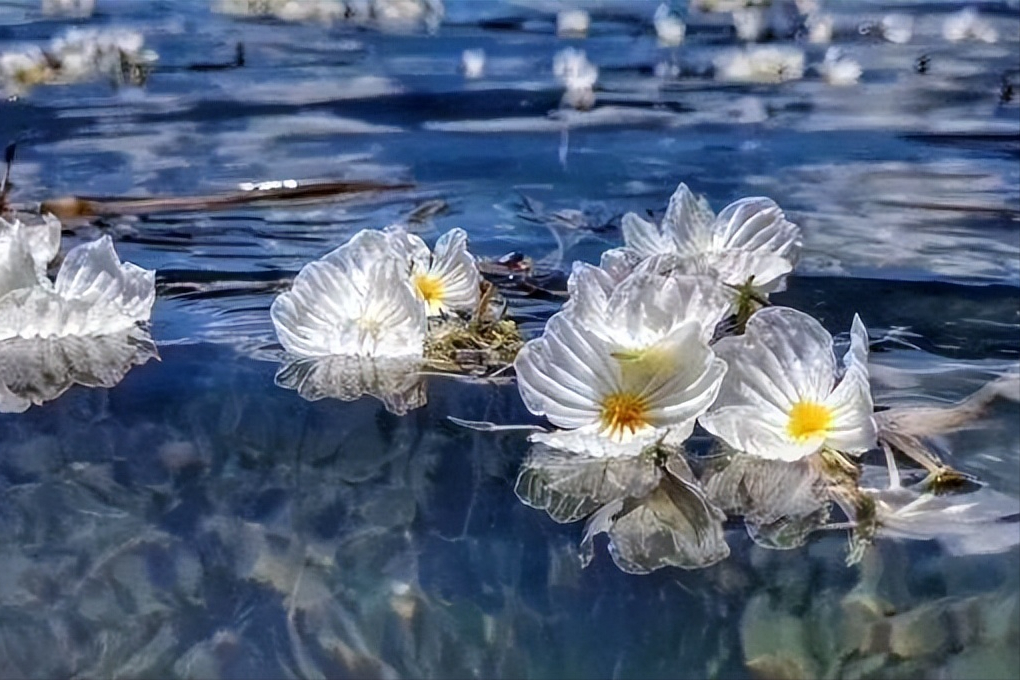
623 412
808 419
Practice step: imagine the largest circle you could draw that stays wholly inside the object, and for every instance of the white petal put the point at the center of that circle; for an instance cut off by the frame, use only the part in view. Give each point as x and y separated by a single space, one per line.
456 269
409 246
565 403
589 288
735 267
94 295
853 426
688 221
618 263
794 350
643 237
677 397
17 266
644 308
118 295
564 374
756 224
858 352
757 432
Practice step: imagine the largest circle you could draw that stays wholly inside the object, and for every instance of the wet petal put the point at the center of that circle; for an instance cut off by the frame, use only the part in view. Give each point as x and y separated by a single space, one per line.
688 222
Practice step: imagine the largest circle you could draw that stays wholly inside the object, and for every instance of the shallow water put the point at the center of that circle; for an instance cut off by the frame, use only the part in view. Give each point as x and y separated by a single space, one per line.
196 520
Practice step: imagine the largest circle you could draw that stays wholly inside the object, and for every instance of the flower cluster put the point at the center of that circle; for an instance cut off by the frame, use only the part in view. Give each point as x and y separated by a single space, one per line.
634 358
372 297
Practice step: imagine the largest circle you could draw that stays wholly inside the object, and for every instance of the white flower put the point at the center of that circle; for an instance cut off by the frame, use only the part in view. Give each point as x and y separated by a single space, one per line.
967 24
751 23
94 294
645 307
897 28
614 406
69 8
572 23
446 280
778 400
760 64
356 300
669 28
750 237
578 75
838 69
472 63
819 28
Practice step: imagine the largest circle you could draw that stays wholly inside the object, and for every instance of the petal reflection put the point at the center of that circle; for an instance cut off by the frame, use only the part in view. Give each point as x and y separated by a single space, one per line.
396 382
37 370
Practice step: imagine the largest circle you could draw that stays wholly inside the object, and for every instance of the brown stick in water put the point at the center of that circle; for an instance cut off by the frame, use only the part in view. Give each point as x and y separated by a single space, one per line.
77 207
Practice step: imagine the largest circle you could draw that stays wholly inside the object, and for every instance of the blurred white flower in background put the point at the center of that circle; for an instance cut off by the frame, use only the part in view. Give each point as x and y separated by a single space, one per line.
780 399
967 24
78 9
838 69
760 64
572 23
578 75
820 28
897 28
669 28
472 63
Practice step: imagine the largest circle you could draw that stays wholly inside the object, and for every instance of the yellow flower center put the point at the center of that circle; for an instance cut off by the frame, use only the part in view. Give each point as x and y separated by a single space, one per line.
808 419
623 411
430 289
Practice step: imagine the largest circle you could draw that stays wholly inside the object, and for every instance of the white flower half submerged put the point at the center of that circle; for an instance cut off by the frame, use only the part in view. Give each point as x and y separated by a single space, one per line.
779 399
751 237
445 280
94 294
355 301
614 403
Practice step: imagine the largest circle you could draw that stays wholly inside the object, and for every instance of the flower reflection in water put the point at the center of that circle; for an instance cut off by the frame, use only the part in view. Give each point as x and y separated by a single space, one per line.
394 381
651 506
37 370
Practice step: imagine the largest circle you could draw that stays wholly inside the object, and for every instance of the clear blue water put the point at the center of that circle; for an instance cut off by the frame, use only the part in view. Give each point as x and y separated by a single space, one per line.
198 521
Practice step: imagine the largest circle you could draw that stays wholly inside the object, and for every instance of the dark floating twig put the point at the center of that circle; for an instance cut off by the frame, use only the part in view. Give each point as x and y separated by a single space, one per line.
79 207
